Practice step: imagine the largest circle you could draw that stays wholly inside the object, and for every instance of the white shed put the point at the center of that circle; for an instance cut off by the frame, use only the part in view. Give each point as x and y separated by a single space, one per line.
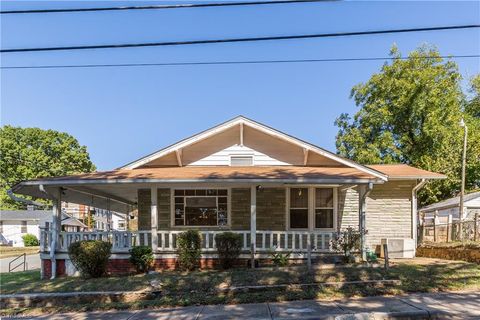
452 207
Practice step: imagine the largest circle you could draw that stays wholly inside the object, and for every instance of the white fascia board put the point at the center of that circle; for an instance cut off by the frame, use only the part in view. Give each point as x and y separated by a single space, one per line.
417 178
67 183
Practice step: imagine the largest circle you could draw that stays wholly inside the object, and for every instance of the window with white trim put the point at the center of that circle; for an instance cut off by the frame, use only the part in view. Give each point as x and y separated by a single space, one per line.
298 208
324 214
23 228
201 207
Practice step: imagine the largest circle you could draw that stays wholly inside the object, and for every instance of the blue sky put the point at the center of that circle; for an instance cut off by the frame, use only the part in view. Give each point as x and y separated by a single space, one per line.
121 114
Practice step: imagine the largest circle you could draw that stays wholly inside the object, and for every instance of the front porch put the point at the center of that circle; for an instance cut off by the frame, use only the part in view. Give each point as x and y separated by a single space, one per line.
296 242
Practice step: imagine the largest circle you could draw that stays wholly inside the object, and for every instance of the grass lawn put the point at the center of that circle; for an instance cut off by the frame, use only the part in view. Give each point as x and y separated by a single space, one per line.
200 287
7 252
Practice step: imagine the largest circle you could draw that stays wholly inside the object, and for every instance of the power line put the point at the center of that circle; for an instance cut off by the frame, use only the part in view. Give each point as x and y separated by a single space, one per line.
230 40
162 7
199 63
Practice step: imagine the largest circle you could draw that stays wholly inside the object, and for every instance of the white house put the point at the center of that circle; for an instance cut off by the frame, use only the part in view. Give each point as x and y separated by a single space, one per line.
451 207
17 223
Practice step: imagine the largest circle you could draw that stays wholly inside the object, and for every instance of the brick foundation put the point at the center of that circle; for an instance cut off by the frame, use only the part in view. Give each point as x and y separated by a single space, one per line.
124 266
47 268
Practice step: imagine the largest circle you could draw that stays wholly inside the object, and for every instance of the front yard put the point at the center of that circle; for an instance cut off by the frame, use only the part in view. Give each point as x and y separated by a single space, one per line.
202 287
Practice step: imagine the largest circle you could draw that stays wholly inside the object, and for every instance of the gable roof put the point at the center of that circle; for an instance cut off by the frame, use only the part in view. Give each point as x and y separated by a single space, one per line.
452 202
25 214
241 120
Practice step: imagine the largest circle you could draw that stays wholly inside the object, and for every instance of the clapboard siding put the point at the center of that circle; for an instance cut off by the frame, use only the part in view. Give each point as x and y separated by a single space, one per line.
222 157
389 212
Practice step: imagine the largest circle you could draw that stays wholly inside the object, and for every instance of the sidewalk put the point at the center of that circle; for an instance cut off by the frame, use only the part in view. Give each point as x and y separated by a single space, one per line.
458 305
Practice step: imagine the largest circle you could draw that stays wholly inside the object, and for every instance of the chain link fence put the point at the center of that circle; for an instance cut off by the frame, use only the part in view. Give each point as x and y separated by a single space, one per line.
467 230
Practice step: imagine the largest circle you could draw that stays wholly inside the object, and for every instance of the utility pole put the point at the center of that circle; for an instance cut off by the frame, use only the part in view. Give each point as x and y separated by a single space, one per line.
462 191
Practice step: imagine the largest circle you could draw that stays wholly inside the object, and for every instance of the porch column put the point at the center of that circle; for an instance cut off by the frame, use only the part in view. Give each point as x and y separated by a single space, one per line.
364 191
253 222
56 228
153 215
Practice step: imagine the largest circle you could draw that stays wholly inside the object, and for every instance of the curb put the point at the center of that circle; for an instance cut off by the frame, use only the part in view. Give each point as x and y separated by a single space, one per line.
59 298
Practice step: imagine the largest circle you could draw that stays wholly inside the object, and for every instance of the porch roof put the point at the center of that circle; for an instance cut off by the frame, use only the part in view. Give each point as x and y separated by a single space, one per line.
117 189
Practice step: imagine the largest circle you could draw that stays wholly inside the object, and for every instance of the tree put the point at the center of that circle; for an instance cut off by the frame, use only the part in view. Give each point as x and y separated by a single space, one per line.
410 113
29 153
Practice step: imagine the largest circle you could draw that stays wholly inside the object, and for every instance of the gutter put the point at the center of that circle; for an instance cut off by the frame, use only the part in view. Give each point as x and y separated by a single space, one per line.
23 200
414 229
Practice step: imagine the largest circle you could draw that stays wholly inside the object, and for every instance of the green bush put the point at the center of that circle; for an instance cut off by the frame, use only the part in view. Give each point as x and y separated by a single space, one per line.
280 259
30 240
90 257
142 258
229 245
189 244
347 242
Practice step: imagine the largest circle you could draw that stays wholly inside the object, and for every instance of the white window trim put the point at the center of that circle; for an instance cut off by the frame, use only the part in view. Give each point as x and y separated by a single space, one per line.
172 207
311 208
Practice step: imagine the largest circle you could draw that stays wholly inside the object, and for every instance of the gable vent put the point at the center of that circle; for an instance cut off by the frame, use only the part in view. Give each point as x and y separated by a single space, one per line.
241 161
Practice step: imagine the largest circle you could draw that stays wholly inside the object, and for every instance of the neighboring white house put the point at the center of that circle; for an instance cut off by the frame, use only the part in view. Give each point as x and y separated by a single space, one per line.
451 207
16 223
119 221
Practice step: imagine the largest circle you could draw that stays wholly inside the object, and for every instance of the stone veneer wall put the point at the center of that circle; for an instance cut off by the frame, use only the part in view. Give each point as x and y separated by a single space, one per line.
143 200
271 209
163 209
240 208
388 210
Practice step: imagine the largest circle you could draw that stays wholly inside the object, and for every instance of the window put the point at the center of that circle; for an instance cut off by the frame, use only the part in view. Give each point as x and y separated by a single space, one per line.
299 208
1 226
323 208
24 227
201 207
238 161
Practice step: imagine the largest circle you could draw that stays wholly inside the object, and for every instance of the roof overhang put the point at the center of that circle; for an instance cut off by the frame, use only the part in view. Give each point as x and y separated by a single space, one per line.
117 190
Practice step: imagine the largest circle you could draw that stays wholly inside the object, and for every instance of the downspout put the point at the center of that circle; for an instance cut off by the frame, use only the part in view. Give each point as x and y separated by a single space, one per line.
362 220
414 231
23 200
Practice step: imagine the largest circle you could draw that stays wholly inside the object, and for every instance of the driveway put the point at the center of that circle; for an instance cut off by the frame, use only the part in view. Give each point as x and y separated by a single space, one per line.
458 305
33 262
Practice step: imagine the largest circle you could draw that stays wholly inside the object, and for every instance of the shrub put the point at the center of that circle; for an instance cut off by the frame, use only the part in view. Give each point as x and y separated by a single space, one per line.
30 240
347 242
229 245
142 258
90 257
280 259
189 249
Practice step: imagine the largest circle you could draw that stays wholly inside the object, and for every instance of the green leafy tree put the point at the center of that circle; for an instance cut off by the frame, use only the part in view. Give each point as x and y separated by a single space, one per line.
410 113
29 153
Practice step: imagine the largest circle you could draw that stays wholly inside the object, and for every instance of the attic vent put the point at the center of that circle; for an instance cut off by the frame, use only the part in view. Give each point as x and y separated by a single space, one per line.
239 161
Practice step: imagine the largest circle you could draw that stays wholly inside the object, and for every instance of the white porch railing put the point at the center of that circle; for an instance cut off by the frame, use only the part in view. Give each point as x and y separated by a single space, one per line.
123 241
